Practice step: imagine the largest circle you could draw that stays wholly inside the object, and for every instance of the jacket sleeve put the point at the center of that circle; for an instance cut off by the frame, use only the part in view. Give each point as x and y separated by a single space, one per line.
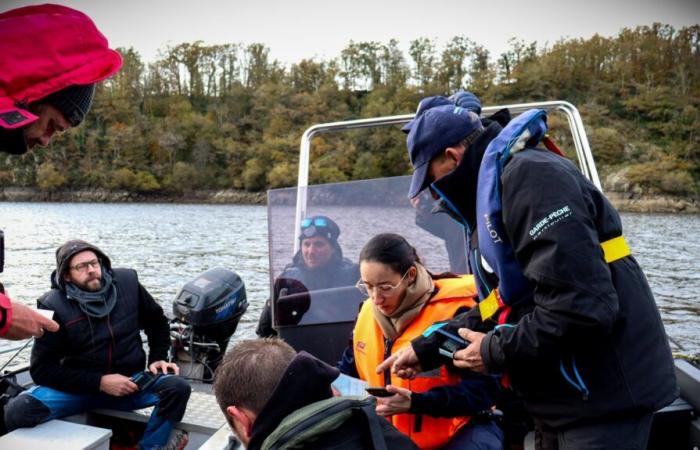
550 220
264 328
347 365
46 369
154 323
475 393
427 348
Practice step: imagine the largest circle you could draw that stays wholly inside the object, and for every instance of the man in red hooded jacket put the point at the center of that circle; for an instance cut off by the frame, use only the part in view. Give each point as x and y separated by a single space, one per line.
51 57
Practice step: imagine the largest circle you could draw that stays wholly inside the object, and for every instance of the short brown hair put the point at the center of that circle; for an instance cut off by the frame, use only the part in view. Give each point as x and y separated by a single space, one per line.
250 372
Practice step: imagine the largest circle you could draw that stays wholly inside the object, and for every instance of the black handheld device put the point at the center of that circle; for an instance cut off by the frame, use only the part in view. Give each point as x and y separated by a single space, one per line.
450 343
378 392
167 371
144 379
2 258
2 251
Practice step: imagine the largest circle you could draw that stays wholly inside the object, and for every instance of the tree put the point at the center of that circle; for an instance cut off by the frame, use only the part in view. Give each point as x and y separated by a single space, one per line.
49 178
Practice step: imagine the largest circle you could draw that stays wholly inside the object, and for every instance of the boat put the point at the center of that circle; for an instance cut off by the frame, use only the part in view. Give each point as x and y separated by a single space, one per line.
320 322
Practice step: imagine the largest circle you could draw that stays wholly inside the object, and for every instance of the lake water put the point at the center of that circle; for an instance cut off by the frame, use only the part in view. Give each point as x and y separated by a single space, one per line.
171 244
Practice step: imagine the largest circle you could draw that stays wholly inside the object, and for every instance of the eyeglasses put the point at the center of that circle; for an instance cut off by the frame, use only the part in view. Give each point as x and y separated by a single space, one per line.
317 222
383 289
82 267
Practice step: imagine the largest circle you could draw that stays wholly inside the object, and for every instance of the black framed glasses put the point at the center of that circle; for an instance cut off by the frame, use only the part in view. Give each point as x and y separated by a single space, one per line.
83 266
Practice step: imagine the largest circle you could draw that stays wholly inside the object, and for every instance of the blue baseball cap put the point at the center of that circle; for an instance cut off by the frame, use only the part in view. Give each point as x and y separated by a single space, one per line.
423 106
431 133
466 100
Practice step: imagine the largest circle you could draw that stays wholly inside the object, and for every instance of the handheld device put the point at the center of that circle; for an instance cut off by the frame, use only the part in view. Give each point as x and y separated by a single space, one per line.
2 251
451 343
2 258
144 379
378 392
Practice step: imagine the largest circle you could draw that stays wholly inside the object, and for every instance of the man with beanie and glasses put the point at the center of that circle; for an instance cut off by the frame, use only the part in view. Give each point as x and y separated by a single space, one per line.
96 358
51 57
319 264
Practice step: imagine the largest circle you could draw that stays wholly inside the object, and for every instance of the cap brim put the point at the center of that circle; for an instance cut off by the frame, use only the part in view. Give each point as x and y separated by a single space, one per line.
418 182
406 128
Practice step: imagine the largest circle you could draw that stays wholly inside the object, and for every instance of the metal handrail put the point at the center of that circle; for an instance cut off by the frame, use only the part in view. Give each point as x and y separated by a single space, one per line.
583 149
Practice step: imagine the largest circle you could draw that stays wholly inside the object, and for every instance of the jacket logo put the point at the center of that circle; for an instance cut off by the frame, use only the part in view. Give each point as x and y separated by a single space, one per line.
360 346
492 232
549 220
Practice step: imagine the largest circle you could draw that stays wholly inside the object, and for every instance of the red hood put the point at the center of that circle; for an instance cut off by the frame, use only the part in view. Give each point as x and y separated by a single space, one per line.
44 49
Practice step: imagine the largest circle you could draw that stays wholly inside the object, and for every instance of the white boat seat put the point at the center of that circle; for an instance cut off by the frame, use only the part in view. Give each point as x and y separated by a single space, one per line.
57 435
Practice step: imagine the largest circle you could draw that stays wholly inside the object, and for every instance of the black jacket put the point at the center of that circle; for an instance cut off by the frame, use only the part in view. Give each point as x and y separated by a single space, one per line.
75 357
296 277
586 316
308 380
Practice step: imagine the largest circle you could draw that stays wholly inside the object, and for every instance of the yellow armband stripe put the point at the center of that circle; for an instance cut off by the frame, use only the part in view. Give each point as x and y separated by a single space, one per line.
615 248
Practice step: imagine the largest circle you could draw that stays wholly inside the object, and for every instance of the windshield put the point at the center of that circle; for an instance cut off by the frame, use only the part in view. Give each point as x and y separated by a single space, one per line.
361 209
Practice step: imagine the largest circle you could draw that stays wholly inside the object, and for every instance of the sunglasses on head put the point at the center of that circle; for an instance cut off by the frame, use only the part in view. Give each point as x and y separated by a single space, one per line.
317 222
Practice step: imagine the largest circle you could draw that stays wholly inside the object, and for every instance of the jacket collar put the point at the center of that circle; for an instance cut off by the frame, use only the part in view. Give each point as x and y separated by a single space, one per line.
457 189
307 380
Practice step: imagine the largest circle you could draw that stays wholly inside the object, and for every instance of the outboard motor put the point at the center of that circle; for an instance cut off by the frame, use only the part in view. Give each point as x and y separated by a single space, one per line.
207 311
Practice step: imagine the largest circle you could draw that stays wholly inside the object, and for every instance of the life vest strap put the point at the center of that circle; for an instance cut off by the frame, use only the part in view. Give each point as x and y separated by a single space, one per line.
490 305
613 249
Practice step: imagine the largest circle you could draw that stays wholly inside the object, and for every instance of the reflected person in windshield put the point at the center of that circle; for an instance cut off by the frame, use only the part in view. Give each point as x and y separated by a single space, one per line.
319 264
403 300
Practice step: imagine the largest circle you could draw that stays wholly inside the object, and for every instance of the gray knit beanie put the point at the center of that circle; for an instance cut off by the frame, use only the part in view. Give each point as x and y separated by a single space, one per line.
73 101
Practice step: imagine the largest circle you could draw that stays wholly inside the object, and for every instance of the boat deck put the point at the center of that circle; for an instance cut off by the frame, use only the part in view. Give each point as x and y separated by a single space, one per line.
203 413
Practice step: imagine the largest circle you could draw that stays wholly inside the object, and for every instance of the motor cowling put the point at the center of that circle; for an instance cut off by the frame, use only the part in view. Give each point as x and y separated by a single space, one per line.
212 303
206 314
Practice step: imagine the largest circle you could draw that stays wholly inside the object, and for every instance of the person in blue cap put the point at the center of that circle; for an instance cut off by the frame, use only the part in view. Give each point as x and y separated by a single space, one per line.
319 264
435 223
579 334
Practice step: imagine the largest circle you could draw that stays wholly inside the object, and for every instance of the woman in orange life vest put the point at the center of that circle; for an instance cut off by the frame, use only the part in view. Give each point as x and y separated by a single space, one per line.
435 409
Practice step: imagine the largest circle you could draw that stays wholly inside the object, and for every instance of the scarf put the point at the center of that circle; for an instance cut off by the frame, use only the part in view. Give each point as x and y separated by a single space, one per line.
416 296
96 304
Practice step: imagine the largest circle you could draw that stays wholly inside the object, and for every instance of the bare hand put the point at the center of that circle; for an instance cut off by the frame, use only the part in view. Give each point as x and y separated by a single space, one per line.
398 403
470 357
403 363
163 366
26 323
117 385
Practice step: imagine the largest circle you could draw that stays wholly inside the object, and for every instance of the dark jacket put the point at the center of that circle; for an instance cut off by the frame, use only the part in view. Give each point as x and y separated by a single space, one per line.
307 380
586 316
75 357
296 277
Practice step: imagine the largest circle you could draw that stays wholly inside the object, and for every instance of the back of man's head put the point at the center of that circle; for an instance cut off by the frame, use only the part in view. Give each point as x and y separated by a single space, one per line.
250 371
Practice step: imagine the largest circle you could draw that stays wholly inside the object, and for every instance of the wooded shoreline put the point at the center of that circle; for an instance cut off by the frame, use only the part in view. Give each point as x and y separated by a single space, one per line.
627 202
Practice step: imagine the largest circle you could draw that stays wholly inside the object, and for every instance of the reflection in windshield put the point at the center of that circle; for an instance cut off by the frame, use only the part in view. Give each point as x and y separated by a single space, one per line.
360 210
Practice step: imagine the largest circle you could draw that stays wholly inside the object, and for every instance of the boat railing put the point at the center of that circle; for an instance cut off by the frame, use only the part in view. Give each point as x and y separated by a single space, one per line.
578 133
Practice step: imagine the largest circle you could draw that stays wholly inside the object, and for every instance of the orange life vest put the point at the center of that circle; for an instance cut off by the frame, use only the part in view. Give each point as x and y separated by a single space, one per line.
368 345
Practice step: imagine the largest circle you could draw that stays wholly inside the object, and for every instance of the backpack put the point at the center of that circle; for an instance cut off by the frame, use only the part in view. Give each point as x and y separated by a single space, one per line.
337 422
